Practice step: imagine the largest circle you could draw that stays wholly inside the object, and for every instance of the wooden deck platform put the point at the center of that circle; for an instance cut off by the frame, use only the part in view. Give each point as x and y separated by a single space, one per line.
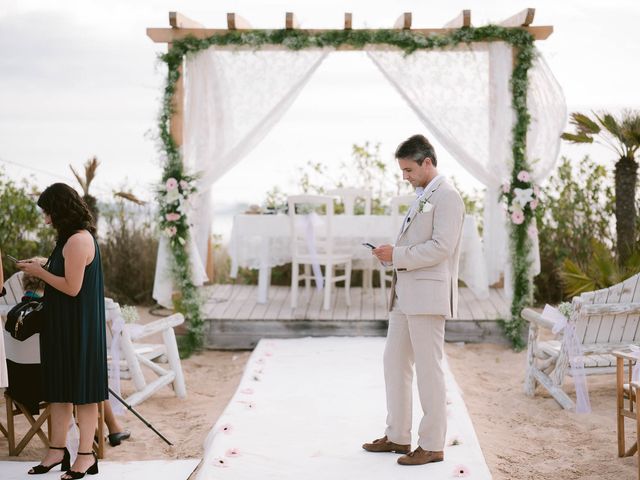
236 321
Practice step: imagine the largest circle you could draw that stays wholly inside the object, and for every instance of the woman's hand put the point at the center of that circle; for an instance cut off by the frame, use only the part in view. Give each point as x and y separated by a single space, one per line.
31 268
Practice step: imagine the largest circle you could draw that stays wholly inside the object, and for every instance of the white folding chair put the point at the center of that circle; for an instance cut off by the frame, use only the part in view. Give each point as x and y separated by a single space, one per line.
312 243
136 355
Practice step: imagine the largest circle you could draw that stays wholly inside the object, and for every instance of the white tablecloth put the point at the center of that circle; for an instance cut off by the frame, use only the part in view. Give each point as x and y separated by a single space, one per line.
264 241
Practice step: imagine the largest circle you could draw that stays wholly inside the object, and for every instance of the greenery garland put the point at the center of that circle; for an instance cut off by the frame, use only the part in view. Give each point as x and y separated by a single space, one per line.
406 40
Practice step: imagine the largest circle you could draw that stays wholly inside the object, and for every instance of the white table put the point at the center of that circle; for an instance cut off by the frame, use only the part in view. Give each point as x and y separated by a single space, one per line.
264 241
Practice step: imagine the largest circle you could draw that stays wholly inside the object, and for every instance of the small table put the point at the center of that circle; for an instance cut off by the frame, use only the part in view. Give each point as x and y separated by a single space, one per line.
629 391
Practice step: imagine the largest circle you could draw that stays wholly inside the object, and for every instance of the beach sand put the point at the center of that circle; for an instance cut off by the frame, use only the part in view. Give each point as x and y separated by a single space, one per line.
521 437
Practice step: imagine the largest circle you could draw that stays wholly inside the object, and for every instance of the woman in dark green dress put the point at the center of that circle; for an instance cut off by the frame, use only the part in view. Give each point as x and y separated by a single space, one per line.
73 348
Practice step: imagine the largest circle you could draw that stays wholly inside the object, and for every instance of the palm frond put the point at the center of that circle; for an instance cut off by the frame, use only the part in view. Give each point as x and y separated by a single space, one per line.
576 137
584 124
81 181
90 168
575 280
129 196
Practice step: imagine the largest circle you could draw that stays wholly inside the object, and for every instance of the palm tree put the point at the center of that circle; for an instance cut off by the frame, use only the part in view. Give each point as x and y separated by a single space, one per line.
90 167
621 135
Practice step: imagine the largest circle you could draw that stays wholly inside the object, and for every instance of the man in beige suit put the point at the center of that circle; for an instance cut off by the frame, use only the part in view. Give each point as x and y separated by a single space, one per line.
424 291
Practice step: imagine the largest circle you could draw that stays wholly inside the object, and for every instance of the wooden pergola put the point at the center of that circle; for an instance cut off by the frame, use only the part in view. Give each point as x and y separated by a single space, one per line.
182 27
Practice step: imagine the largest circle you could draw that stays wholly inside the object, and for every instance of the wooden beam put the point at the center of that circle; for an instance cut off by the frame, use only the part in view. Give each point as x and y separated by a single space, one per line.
178 20
291 22
168 35
236 22
520 19
347 21
403 22
462 20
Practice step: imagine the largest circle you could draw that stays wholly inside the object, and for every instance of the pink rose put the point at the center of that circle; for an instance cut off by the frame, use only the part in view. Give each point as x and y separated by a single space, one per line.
533 204
524 176
172 217
171 184
184 184
517 217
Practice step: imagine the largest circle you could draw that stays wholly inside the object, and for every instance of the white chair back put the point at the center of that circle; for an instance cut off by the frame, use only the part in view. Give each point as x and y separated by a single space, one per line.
14 289
349 195
311 218
396 215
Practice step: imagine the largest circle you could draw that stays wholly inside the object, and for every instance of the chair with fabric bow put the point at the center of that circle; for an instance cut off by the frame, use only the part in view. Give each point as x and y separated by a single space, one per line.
605 320
312 243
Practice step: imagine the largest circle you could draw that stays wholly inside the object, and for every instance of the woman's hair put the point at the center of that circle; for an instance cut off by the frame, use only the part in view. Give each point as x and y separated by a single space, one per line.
68 212
31 283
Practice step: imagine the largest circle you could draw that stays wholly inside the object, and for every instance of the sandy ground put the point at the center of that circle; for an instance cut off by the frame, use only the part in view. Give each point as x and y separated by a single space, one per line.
521 437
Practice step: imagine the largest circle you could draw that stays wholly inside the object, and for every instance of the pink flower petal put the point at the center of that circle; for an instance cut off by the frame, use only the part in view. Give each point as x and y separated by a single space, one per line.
461 471
220 462
233 452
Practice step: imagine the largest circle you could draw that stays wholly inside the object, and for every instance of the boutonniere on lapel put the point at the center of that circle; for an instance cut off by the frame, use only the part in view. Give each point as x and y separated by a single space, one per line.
424 206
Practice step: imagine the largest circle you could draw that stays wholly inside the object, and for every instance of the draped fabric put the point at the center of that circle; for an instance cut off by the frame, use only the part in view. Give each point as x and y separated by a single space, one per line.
232 100
462 95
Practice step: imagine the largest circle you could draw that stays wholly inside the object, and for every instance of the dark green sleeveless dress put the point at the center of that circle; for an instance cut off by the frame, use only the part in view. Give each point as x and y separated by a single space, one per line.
73 348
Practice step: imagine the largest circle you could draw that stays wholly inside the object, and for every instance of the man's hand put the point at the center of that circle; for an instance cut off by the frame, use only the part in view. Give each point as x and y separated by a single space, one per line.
384 253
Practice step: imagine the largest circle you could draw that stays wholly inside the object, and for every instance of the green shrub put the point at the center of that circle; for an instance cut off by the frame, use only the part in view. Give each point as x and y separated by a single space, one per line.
577 208
23 233
129 246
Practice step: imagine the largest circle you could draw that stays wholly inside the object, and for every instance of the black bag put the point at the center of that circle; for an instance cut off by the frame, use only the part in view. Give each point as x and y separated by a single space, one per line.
26 318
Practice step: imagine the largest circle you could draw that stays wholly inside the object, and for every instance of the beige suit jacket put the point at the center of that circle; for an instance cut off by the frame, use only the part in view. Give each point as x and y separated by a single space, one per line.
426 254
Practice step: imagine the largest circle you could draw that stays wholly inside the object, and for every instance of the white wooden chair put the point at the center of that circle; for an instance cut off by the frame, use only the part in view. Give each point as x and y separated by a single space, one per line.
605 320
306 231
397 202
135 355
349 195
14 289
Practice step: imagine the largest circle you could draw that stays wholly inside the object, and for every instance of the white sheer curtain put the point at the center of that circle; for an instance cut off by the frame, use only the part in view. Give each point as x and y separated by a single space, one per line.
232 100
463 97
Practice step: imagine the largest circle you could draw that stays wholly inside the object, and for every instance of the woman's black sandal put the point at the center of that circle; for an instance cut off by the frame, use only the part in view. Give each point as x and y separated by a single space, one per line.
92 470
65 462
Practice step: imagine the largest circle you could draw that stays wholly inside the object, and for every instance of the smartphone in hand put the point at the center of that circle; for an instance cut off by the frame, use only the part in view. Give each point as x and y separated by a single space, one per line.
368 245
14 259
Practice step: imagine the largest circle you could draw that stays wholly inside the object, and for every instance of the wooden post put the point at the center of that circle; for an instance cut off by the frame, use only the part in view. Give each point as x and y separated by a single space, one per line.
620 403
403 22
348 25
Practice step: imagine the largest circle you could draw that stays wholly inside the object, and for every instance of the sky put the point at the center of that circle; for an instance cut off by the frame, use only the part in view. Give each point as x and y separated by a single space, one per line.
80 78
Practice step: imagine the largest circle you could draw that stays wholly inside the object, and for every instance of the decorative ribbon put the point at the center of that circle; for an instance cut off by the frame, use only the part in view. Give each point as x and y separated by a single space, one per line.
117 325
574 350
310 220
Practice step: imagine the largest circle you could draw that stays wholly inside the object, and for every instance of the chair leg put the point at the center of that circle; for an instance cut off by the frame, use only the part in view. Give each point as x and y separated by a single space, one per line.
328 282
307 279
347 283
294 284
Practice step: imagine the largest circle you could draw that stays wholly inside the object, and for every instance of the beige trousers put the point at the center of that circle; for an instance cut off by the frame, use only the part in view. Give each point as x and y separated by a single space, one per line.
419 340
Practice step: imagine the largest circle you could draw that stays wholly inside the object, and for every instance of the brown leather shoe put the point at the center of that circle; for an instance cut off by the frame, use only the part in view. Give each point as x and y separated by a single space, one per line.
384 445
421 457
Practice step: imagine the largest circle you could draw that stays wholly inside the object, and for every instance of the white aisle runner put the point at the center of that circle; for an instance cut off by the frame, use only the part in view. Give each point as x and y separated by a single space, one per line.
305 406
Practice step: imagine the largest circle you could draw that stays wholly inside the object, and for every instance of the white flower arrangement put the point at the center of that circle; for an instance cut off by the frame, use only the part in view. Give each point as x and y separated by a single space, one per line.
424 206
130 314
